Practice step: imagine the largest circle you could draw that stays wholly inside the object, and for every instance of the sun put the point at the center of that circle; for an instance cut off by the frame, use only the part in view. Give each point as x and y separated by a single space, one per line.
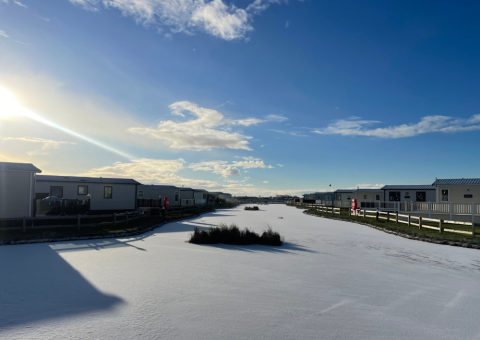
8 104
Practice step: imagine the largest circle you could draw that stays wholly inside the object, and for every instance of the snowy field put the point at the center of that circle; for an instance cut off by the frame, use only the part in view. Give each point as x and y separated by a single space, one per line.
330 280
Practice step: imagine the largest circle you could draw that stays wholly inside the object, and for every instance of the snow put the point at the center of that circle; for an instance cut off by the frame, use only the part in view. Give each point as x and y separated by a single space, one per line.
330 280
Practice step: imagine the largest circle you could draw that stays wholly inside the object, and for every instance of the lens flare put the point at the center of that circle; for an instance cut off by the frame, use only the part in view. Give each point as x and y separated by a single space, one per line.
10 107
8 104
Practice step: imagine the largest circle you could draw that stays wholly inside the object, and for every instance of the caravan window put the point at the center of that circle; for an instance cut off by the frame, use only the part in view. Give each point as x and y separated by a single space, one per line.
176 196
83 189
107 192
421 196
445 195
140 193
394 196
377 197
56 191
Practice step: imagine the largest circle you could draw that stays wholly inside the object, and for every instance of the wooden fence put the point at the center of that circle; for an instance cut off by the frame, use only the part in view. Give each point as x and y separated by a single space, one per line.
78 221
410 220
417 221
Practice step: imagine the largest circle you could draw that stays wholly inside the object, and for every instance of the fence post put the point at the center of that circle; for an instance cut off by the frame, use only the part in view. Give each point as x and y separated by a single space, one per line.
473 229
473 214
24 223
114 218
78 222
364 214
377 215
440 226
420 222
388 216
451 212
409 220
396 217
429 209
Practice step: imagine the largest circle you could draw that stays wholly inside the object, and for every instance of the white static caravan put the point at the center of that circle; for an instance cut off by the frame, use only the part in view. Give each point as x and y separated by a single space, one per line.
17 189
368 195
153 192
344 194
464 190
225 196
106 194
200 196
187 197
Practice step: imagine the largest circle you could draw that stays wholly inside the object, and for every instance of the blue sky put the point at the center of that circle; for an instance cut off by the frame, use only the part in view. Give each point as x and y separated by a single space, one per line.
250 97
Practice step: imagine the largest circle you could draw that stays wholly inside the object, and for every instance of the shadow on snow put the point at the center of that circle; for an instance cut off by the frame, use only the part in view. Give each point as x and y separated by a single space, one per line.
38 284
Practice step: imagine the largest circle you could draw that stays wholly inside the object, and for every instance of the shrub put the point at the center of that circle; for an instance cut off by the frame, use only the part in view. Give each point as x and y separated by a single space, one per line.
252 208
233 235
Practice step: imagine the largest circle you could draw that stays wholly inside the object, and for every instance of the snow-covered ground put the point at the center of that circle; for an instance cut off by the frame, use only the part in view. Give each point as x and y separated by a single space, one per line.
330 280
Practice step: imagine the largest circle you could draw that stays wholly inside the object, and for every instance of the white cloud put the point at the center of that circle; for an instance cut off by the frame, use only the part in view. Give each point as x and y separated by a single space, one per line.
265 182
429 124
291 133
280 165
46 143
287 24
3 34
224 21
276 118
18 3
251 163
205 132
150 171
227 169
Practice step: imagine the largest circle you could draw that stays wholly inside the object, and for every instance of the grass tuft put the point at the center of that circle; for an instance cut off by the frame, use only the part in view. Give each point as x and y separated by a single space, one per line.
234 235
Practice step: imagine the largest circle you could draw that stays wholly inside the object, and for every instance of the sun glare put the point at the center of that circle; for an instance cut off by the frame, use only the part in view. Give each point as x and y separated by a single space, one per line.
8 104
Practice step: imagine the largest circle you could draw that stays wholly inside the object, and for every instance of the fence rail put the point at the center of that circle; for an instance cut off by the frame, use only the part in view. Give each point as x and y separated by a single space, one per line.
418 221
397 217
78 221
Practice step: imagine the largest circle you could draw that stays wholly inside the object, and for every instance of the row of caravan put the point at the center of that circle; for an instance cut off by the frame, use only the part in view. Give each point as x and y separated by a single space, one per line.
22 189
464 191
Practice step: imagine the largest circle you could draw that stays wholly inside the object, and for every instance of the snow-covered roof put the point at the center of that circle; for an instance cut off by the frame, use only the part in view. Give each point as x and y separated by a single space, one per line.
8 166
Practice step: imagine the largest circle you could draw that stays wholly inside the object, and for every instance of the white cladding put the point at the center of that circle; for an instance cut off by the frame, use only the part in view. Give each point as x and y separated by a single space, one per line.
123 195
17 191
200 196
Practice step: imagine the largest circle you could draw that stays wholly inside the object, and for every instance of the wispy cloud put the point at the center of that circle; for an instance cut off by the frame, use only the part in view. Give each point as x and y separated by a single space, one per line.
291 133
225 21
287 24
354 126
265 182
280 165
276 118
46 143
18 3
3 34
206 131
229 169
